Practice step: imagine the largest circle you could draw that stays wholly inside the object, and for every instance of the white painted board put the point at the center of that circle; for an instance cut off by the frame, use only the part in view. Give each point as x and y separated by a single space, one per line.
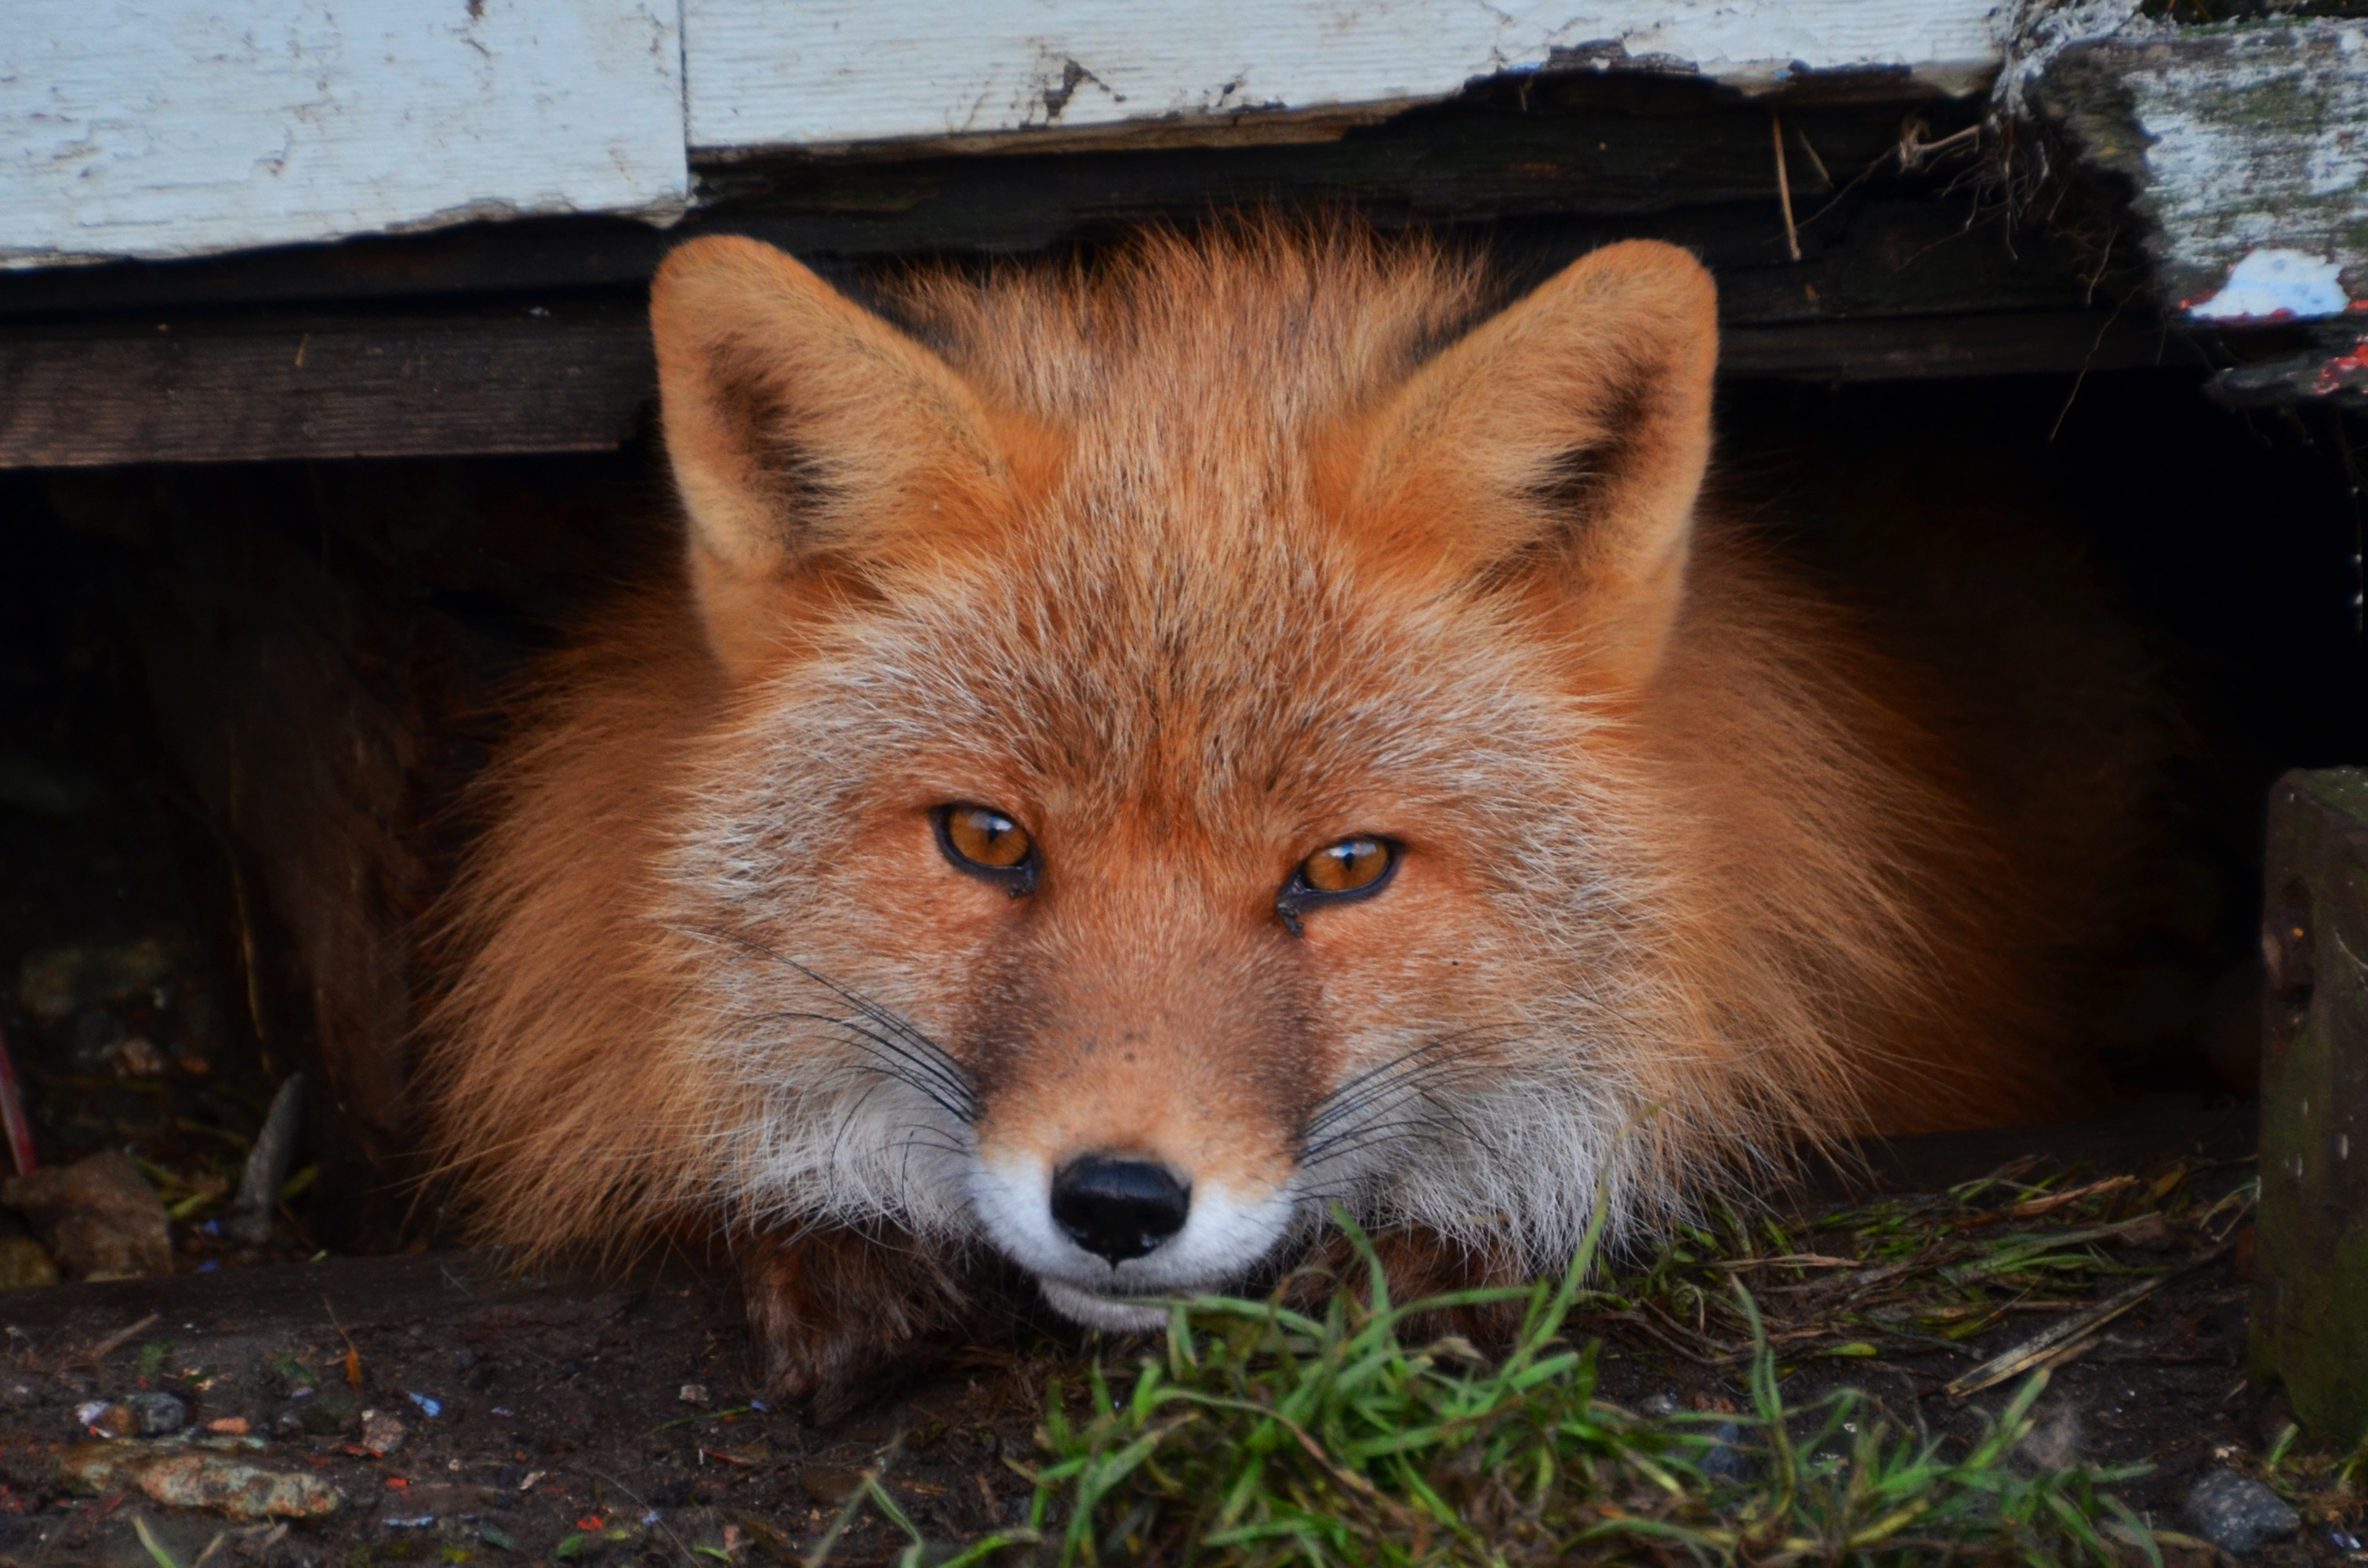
2247 149
170 128
835 72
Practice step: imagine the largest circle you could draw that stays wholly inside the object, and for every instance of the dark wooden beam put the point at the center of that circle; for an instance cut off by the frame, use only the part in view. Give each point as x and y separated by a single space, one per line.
1901 287
231 388
2310 1303
1920 347
247 388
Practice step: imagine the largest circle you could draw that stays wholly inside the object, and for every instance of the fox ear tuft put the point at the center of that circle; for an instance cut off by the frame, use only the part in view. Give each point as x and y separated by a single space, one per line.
808 438
1557 451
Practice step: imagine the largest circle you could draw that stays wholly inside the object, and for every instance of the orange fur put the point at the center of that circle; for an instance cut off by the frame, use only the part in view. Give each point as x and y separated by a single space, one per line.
1194 562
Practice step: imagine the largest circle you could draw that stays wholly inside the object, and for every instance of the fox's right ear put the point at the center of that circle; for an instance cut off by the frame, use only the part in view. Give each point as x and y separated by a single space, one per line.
809 439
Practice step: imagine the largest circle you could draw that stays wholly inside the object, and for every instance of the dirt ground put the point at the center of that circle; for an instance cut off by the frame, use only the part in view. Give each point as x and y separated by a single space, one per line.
583 1420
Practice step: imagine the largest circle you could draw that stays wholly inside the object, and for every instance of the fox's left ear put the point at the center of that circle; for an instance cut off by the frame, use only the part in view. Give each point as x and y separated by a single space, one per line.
1556 451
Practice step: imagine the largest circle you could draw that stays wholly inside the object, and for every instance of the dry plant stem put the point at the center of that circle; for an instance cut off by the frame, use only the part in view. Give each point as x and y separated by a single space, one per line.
105 1348
1784 185
2060 1341
11 1114
1814 161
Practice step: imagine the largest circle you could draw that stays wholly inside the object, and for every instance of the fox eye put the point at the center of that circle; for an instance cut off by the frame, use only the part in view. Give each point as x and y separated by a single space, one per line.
986 843
1353 868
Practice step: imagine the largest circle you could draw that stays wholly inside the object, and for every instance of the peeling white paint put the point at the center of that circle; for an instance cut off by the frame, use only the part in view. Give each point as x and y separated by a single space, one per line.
171 128
166 128
2034 32
2248 145
831 73
2271 284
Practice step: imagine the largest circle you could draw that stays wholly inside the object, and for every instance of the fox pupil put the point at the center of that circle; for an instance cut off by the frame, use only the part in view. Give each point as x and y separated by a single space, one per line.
980 838
1347 866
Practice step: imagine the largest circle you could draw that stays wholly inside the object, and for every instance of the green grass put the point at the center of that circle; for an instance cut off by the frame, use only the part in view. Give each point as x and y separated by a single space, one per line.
1260 1436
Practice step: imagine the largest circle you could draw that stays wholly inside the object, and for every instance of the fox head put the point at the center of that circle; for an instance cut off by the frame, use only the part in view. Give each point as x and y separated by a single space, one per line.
1176 763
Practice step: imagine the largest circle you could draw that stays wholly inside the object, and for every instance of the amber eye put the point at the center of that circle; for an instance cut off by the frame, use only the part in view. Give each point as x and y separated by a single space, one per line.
1353 868
1345 867
984 842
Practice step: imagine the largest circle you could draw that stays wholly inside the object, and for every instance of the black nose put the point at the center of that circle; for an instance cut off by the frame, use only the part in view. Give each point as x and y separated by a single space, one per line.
1118 1209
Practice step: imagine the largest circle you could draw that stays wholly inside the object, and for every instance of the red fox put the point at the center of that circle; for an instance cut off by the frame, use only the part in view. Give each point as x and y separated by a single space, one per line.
1141 751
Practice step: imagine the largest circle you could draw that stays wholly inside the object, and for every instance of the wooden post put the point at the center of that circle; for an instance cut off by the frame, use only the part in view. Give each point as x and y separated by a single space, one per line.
2310 1311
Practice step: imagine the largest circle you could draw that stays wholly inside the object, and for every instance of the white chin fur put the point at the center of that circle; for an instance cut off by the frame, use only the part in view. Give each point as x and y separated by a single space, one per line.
1224 1237
1102 1312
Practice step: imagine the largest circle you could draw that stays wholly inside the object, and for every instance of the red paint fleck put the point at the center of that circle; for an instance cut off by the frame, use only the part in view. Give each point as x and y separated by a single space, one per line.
589 1522
397 1483
2338 372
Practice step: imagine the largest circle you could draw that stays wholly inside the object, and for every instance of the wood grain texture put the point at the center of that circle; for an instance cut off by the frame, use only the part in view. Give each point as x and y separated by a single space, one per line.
182 126
242 389
837 72
2247 150
2310 1303
1567 146
228 391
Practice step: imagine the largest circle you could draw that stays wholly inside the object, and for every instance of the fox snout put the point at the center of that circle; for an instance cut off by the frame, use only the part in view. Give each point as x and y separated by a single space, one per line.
1100 1232
1119 1209
1132 1172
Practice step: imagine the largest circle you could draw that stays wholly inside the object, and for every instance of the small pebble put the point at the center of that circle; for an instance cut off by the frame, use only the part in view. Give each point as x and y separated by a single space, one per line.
2237 1513
693 1394
97 1217
107 1418
382 1432
229 1426
1728 1461
137 1058
317 1413
1658 1405
25 1263
157 1412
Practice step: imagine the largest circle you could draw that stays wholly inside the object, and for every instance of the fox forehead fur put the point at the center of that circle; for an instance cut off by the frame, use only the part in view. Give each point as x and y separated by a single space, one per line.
1192 562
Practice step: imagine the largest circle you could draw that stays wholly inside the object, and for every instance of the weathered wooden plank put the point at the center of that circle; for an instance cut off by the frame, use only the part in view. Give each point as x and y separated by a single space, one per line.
1565 146
181 127
216 390
1919 348
837 73
2310 1310
2246 149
